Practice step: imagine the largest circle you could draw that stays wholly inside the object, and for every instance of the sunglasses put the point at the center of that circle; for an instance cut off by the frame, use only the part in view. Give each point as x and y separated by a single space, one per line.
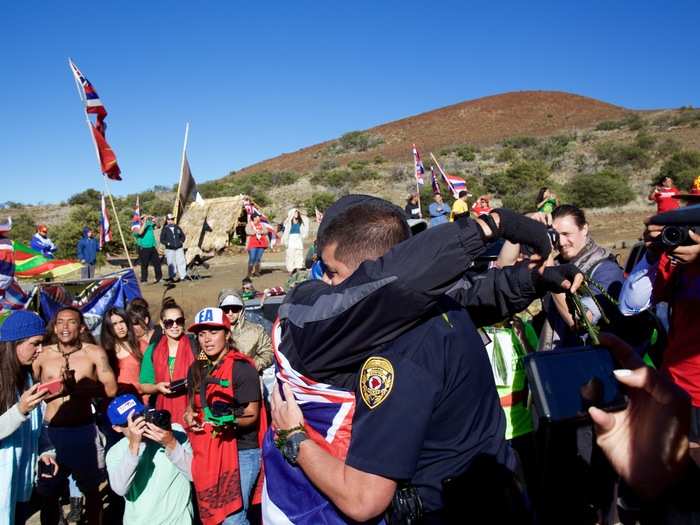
231 309
169 323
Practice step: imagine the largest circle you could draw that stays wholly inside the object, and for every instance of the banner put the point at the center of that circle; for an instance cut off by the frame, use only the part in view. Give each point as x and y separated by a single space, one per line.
30 264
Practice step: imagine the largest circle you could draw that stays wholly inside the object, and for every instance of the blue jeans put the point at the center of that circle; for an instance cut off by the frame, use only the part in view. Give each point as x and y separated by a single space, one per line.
255 255
249 467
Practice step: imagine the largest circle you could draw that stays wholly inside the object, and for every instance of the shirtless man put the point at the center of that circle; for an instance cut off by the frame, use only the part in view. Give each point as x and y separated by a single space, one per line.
69 416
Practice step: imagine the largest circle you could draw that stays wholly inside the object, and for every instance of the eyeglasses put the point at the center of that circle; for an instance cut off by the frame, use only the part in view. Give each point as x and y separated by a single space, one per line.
169 323
231 309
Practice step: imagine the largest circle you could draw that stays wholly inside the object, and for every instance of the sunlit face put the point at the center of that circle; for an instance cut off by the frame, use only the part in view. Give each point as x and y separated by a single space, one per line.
336 271
438 198
28 349
173 323
212 341
667 182
121 330
572 239
256 219
67 327
233 312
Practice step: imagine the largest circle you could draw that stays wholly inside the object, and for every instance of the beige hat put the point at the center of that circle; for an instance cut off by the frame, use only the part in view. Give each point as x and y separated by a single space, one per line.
230 297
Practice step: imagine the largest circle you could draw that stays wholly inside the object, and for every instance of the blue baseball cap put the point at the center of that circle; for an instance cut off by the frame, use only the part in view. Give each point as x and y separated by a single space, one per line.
21 324
120 408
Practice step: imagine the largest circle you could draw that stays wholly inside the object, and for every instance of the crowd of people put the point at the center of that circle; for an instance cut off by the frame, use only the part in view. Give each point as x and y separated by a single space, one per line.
391 388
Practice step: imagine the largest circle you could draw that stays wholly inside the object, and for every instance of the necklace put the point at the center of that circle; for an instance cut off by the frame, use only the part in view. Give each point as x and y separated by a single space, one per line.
66 355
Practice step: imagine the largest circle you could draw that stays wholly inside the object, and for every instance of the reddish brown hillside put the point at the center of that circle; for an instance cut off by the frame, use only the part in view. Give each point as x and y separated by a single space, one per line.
483 121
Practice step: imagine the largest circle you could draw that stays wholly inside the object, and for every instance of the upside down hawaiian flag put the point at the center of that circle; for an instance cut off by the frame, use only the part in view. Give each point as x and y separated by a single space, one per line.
434 181
94 106
418 166
105 229
136 217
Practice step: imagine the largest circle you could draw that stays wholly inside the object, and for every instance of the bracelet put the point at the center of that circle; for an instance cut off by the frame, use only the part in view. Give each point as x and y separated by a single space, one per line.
283 435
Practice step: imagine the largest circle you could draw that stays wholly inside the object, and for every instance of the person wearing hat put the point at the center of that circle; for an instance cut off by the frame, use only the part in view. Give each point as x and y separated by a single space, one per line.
173 238
150 467
249 338
87 253
225 423
41 242
21 414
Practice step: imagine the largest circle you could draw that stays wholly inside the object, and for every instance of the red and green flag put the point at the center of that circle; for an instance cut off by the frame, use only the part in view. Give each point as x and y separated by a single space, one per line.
30 264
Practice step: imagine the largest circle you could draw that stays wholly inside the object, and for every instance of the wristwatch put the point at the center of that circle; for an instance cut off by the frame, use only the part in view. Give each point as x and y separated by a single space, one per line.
290 449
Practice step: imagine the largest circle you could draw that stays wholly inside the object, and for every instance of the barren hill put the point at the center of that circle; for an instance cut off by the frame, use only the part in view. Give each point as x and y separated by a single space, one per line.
484 121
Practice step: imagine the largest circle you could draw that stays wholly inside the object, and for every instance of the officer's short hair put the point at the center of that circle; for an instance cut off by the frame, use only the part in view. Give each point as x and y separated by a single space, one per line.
364 231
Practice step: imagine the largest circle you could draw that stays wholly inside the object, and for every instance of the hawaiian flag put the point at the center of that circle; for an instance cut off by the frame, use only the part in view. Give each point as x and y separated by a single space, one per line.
434 181
289 497
418 164
94 106
456 184
30 264
105 229
251 208
136 217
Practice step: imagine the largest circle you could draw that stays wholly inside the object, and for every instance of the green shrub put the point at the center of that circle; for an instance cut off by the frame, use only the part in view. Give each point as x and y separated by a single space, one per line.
609 125
23 228
89 197
633 121
355 141
464 152
680 162
328 165
506 155
686 116
520 142
519 184
320 201
616 154
552 148
684 179
255 184
378 159
668 147
644 140
605 188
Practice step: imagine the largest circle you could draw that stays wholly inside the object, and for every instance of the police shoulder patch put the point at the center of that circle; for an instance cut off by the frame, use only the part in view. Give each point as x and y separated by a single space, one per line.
376 381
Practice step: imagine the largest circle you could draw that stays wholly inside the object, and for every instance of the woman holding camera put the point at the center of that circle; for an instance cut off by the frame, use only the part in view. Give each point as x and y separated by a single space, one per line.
164 367
224 422
21 336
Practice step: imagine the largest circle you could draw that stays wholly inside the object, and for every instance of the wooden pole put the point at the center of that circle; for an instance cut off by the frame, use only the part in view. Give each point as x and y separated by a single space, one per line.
99 162
420 212
176 208
449 184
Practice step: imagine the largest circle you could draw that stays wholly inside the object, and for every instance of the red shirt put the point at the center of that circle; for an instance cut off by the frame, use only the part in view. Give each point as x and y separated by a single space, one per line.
259 239
664 199
680 286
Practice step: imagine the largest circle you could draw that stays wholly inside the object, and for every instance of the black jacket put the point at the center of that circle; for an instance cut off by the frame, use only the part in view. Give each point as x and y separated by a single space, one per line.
172 237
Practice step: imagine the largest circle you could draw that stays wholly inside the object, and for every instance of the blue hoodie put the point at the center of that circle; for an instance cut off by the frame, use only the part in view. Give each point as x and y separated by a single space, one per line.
87 248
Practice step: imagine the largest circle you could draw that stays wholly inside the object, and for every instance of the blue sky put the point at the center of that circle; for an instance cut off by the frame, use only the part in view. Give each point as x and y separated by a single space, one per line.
257 79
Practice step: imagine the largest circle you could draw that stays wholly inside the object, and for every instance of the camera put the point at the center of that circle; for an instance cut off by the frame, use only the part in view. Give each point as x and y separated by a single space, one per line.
673 236
159 418
553 237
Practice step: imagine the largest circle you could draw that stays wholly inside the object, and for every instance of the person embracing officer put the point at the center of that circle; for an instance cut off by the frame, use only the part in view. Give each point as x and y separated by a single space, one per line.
414 427
173 238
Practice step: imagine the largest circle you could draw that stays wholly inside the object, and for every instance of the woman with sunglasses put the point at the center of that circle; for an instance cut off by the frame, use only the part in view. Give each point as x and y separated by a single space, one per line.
169 362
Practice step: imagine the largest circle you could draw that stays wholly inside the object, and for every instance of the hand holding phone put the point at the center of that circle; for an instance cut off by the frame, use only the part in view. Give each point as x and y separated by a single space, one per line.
52 387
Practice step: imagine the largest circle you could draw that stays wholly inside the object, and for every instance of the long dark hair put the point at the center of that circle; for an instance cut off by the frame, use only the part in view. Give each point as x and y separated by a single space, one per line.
85 334
139 314
201 368
108 338
12 376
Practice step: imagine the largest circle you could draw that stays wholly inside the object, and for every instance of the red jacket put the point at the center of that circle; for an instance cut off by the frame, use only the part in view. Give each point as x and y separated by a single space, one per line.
679 285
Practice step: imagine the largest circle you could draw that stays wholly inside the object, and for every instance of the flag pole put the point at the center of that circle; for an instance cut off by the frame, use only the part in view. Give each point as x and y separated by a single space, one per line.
420 212
109 193
176 208
97 153
449 184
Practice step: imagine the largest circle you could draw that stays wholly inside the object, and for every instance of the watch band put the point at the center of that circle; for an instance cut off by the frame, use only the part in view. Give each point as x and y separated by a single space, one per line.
290 449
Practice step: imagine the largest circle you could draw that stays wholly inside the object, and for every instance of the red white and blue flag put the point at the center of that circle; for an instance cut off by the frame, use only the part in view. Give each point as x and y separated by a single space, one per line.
434 181
136 217
418 166
105 228
289 497
456 184
94 106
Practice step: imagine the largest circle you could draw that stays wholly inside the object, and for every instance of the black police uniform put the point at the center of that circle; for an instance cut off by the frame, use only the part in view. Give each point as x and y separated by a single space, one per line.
427 410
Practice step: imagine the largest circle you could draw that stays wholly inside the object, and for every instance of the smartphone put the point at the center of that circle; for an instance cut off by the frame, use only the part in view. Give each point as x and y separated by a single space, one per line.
566 383
179 386
53 387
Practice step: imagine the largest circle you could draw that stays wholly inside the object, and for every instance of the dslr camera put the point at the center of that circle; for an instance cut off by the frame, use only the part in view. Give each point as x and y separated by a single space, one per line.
677 225
160 418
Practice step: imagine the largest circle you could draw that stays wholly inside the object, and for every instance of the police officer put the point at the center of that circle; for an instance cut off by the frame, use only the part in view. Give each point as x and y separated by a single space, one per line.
426 413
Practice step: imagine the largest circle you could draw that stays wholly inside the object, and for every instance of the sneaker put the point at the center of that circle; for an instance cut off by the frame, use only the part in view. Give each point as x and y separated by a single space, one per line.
76 510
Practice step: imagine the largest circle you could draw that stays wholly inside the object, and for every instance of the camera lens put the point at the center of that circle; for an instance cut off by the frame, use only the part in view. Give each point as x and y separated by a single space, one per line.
673 236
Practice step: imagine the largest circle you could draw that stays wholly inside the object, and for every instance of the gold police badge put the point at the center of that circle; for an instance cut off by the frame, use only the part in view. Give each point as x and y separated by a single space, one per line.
376 381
